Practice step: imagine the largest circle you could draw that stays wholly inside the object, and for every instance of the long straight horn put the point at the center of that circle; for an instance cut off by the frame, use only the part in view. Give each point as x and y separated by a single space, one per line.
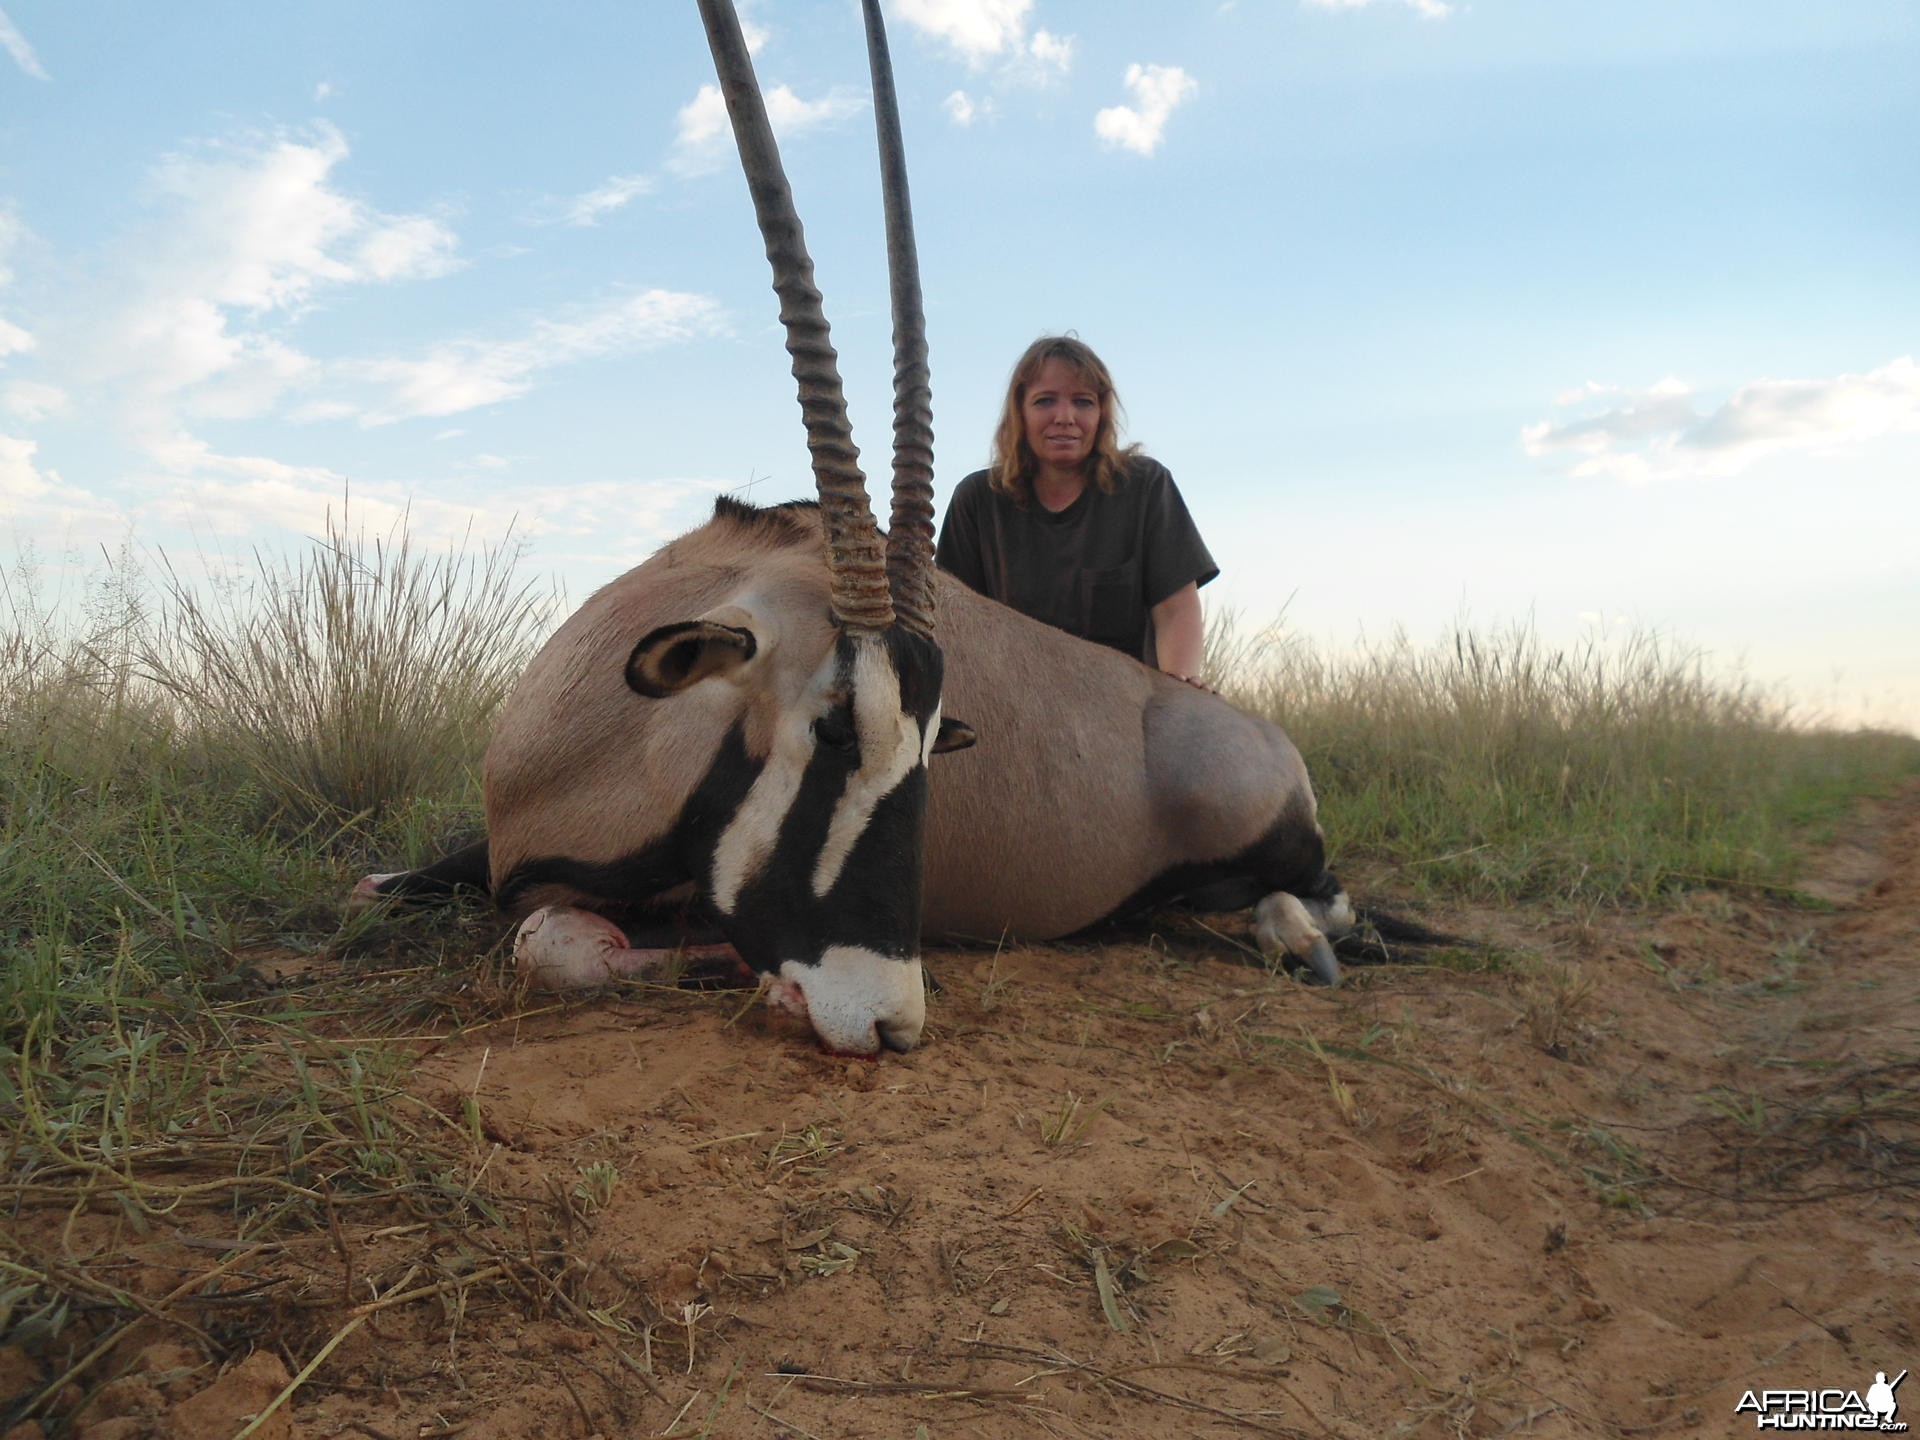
910 529
859 579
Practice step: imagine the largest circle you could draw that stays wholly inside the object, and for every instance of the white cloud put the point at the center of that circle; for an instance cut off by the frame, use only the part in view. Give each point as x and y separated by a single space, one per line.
192 318
258 225
703 135
243 496
1660 434
323 92
195 316
240 496
213 494
180 453
406 248
32 400
1157 91
1584 392
12 232
314 411
1038 61
701 122
248 233
15 44
258 372
1051 52
20 480
36 498
616 192
978 29
981 31
13 339
1801 413
465 374
617 519
960 109
1431 9
1664 409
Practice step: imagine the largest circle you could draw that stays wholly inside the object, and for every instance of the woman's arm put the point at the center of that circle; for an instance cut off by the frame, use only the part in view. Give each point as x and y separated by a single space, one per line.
1178 635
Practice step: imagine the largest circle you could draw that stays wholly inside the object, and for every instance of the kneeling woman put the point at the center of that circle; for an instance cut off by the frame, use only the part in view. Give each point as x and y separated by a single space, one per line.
1071 528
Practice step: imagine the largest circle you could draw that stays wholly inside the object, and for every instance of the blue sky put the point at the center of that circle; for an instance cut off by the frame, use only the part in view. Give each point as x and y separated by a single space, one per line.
1594 315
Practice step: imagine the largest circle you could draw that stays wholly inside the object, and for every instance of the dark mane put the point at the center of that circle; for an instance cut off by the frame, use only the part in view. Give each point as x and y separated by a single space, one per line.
789 520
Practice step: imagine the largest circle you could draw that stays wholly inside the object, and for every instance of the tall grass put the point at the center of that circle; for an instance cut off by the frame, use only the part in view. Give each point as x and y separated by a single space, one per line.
1496 764
70 703
183 781
185 775
184 762
351 677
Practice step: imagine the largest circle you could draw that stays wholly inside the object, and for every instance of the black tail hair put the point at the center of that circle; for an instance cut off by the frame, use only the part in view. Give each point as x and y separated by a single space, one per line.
465 871
1375 930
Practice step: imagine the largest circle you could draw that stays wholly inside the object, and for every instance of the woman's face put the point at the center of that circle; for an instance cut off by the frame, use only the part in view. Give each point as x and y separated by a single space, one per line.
1061 413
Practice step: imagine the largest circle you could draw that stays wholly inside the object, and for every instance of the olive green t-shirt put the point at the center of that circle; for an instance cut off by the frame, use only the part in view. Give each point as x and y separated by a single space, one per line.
1095 569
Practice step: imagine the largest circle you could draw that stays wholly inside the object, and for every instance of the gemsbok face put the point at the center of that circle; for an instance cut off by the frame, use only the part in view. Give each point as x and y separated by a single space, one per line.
807 837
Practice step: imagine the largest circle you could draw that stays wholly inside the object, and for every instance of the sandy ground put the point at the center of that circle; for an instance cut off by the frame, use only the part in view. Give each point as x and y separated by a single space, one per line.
1137 1188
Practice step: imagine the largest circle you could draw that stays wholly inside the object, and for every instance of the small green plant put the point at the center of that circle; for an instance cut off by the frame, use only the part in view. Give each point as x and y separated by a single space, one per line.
1109 1279
993 989
1556 1003
1618 1171
1787 974
595 1187
805 1151
830 1259
1338 1088
1066 1125
1748 1110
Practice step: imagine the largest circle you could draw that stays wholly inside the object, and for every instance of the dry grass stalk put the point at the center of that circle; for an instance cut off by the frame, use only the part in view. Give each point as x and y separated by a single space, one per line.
354 676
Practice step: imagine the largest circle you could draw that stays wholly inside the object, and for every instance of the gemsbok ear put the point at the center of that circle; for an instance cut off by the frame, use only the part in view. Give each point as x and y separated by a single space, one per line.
675 656
954 735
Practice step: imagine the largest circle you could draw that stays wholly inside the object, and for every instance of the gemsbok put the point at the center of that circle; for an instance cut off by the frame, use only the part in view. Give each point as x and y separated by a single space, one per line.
745 722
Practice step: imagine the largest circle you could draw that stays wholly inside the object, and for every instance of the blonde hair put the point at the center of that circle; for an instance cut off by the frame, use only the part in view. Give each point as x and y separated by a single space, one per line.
1012 464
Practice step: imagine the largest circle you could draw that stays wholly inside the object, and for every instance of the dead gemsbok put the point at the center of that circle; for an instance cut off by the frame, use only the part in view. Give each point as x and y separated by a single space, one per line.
746 720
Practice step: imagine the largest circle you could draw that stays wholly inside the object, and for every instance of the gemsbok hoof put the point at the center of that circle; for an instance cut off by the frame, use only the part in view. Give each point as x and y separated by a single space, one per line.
562 947
1285 931
367 894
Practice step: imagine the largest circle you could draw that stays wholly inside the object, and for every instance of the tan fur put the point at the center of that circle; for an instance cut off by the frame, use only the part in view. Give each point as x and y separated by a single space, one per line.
1092 775
581 766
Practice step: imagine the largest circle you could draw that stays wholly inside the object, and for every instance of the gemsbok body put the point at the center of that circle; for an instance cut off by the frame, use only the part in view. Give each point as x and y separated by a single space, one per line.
746 721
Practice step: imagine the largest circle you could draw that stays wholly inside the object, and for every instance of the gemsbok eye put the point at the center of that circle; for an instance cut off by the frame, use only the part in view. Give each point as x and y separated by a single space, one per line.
836 732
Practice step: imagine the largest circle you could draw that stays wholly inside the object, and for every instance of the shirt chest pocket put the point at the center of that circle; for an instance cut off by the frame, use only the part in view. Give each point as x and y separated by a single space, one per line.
1112 607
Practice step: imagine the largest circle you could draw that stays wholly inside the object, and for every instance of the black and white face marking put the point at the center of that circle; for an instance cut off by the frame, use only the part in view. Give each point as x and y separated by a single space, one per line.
817 872
889 743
